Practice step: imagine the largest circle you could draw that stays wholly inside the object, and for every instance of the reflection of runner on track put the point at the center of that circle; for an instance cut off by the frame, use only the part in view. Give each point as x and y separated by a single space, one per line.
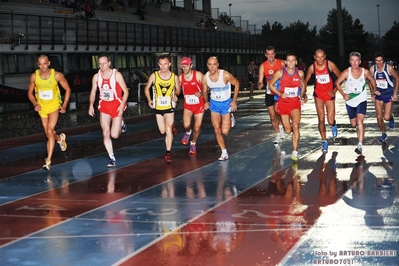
191 83
198 231
227 233
172 245
288 221
370 198
329 187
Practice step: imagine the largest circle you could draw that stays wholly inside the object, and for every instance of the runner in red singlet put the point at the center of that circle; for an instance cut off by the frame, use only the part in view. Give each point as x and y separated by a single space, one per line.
325 72
266 72
113 98
191 83
290 99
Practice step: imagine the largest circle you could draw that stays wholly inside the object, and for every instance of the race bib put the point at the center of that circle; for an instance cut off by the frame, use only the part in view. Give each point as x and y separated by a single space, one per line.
291 92
382 83
323 79
106 95
46 95
191 99
220 96
163 101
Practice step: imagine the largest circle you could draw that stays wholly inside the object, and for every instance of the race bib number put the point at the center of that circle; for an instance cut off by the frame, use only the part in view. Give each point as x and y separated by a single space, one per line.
323 79
191 99
106 95
46 95
382 83
163 101
220 96
291 92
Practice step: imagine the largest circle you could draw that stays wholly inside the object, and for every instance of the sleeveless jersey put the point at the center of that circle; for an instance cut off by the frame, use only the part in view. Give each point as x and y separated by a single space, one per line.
226 233
173 237
220 92
110 90
47 93
290 84
356 89
323 79
251 70
269 70
163 92
190 87
384 81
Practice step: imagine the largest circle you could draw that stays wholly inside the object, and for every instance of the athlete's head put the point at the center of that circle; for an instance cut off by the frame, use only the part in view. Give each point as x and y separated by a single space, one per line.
185 61
379 54
164 63
379 59
43 63
290 61
213 64
356 54
186 64
319 56
104 62
355 59
270 53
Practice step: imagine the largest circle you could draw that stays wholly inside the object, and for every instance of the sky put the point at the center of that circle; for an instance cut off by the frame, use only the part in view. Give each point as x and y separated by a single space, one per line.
313 11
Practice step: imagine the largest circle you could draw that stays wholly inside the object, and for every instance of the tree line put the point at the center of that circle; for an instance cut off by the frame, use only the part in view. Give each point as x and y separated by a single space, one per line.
302 39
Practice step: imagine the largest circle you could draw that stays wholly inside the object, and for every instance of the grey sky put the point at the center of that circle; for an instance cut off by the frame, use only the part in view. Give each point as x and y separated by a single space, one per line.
313 11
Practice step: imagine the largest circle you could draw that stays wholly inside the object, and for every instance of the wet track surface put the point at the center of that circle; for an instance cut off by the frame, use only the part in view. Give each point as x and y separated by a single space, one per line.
257 208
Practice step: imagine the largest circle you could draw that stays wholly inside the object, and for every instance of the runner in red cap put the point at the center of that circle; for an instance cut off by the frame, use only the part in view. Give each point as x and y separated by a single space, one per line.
190 81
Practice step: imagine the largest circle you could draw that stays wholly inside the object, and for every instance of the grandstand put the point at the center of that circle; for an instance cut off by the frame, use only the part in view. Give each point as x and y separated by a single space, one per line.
29 28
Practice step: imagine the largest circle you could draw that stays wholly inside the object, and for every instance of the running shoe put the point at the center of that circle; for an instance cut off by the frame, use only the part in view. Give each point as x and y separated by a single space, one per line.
233 120
359 149
282 133
124 127
334 130
62 142
383 138
324 147
112 162
294 156
224 157
168 158
186 138
193 149
47 165
277 139
174 130
282 156
294 165
392 122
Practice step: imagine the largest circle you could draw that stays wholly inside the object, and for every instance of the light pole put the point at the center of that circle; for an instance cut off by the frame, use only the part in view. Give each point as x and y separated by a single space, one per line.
378 16
230 9
379 29
340 35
